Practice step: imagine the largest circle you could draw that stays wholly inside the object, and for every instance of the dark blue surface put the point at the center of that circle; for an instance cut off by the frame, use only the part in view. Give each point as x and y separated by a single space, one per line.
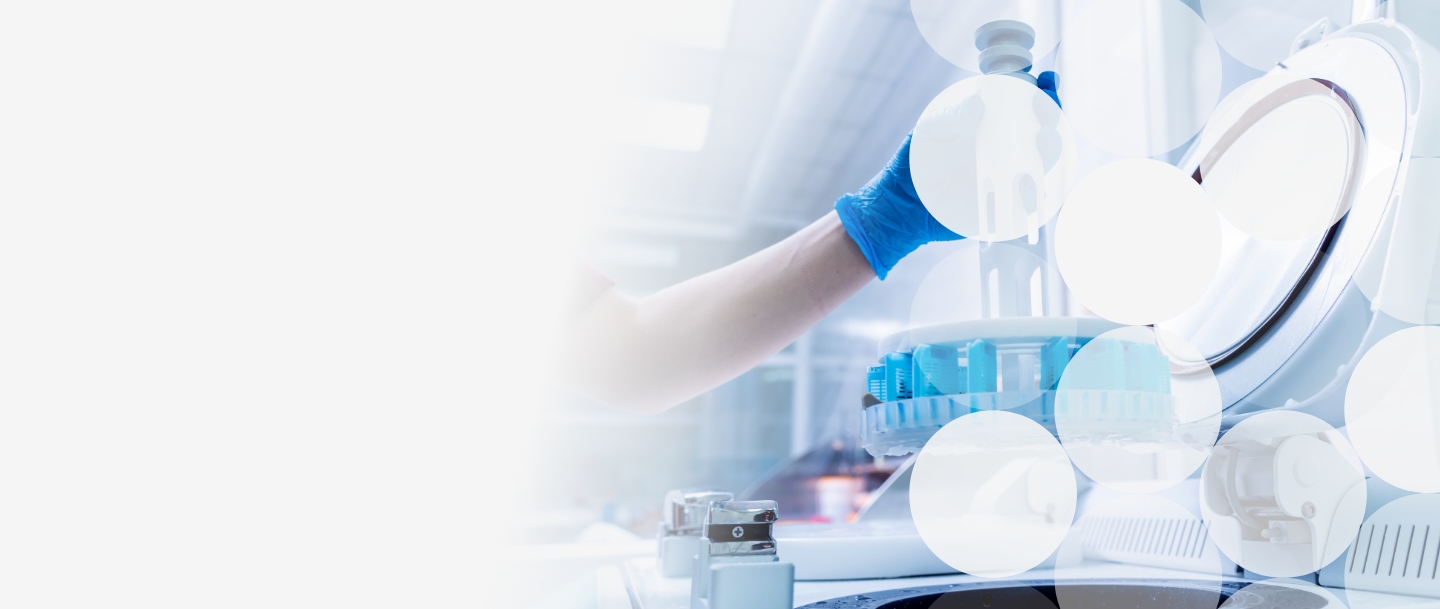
1040 594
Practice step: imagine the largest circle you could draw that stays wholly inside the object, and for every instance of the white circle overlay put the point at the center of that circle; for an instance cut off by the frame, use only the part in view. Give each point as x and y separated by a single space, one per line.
949 26
992 158
1283 493
1127 537
1284 178
1115 53
992 494
1260 33
982 281
1395 550
1400 273
1282 593
1127 420
1392 409
1138 241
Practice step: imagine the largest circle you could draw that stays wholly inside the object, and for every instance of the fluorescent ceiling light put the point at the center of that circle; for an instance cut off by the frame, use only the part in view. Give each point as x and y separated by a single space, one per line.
657 123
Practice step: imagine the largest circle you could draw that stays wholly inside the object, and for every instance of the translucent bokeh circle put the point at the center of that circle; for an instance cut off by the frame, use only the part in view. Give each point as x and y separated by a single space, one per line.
1138 241
1115 52
981 283
1392 409
992 158
1400 273
1130 536
1283 493
983 280
1282 593
1260 33
1137 409
949 26
1395 551
1284 176
992 494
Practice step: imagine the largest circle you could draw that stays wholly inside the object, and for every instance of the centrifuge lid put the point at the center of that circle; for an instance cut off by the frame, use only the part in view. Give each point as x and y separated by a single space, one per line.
1270 296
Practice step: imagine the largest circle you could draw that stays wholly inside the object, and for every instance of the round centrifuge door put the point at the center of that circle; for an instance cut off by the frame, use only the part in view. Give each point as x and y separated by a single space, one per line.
1300 164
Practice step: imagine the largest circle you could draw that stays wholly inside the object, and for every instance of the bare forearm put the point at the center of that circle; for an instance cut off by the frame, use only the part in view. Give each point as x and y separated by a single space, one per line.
653 353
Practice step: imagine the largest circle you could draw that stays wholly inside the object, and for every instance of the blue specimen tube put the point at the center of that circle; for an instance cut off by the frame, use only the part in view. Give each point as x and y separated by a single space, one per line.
1054 356
897 376
1141 371
980 364
1102 368
875 382
937 370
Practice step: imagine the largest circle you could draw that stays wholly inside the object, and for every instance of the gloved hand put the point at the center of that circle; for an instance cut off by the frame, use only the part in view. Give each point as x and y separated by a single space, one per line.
886 218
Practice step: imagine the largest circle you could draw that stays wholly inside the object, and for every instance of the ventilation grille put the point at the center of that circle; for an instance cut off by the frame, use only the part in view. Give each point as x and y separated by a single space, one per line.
1177 543
1395 557
1376 551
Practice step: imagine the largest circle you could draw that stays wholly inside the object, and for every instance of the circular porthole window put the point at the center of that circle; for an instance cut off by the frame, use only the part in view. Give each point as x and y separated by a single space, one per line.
1281 177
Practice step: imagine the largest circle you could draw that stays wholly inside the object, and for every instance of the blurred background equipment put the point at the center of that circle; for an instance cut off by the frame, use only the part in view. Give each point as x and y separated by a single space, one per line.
802 101
797 103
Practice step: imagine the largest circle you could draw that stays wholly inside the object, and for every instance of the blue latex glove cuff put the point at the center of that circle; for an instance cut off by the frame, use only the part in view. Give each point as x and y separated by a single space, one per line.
1048 83
886 219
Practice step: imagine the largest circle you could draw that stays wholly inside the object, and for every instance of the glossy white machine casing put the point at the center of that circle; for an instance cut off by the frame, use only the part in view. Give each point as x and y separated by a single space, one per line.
1281 372
1304 361
1344 326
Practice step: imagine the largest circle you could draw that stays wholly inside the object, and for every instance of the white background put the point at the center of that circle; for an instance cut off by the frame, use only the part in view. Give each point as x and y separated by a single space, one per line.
271 275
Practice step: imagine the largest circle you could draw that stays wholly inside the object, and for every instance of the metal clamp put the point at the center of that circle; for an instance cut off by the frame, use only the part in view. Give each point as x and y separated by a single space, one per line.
741 528
685 509
737 566
683 522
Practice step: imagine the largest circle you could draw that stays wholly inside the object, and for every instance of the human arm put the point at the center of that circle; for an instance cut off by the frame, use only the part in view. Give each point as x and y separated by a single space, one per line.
648 354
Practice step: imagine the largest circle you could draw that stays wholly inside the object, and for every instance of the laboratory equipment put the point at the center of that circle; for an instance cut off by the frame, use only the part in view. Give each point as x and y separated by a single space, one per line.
736 565
937 371
991 156
875 383
821 535
1282 328
683 523
1116 594
1330 297
1285 322
1396 552
1040 594
1010 364
1005 46
1283 494
899 384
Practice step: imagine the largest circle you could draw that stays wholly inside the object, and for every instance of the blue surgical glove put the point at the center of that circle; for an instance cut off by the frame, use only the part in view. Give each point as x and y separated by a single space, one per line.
1048 83
886 218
